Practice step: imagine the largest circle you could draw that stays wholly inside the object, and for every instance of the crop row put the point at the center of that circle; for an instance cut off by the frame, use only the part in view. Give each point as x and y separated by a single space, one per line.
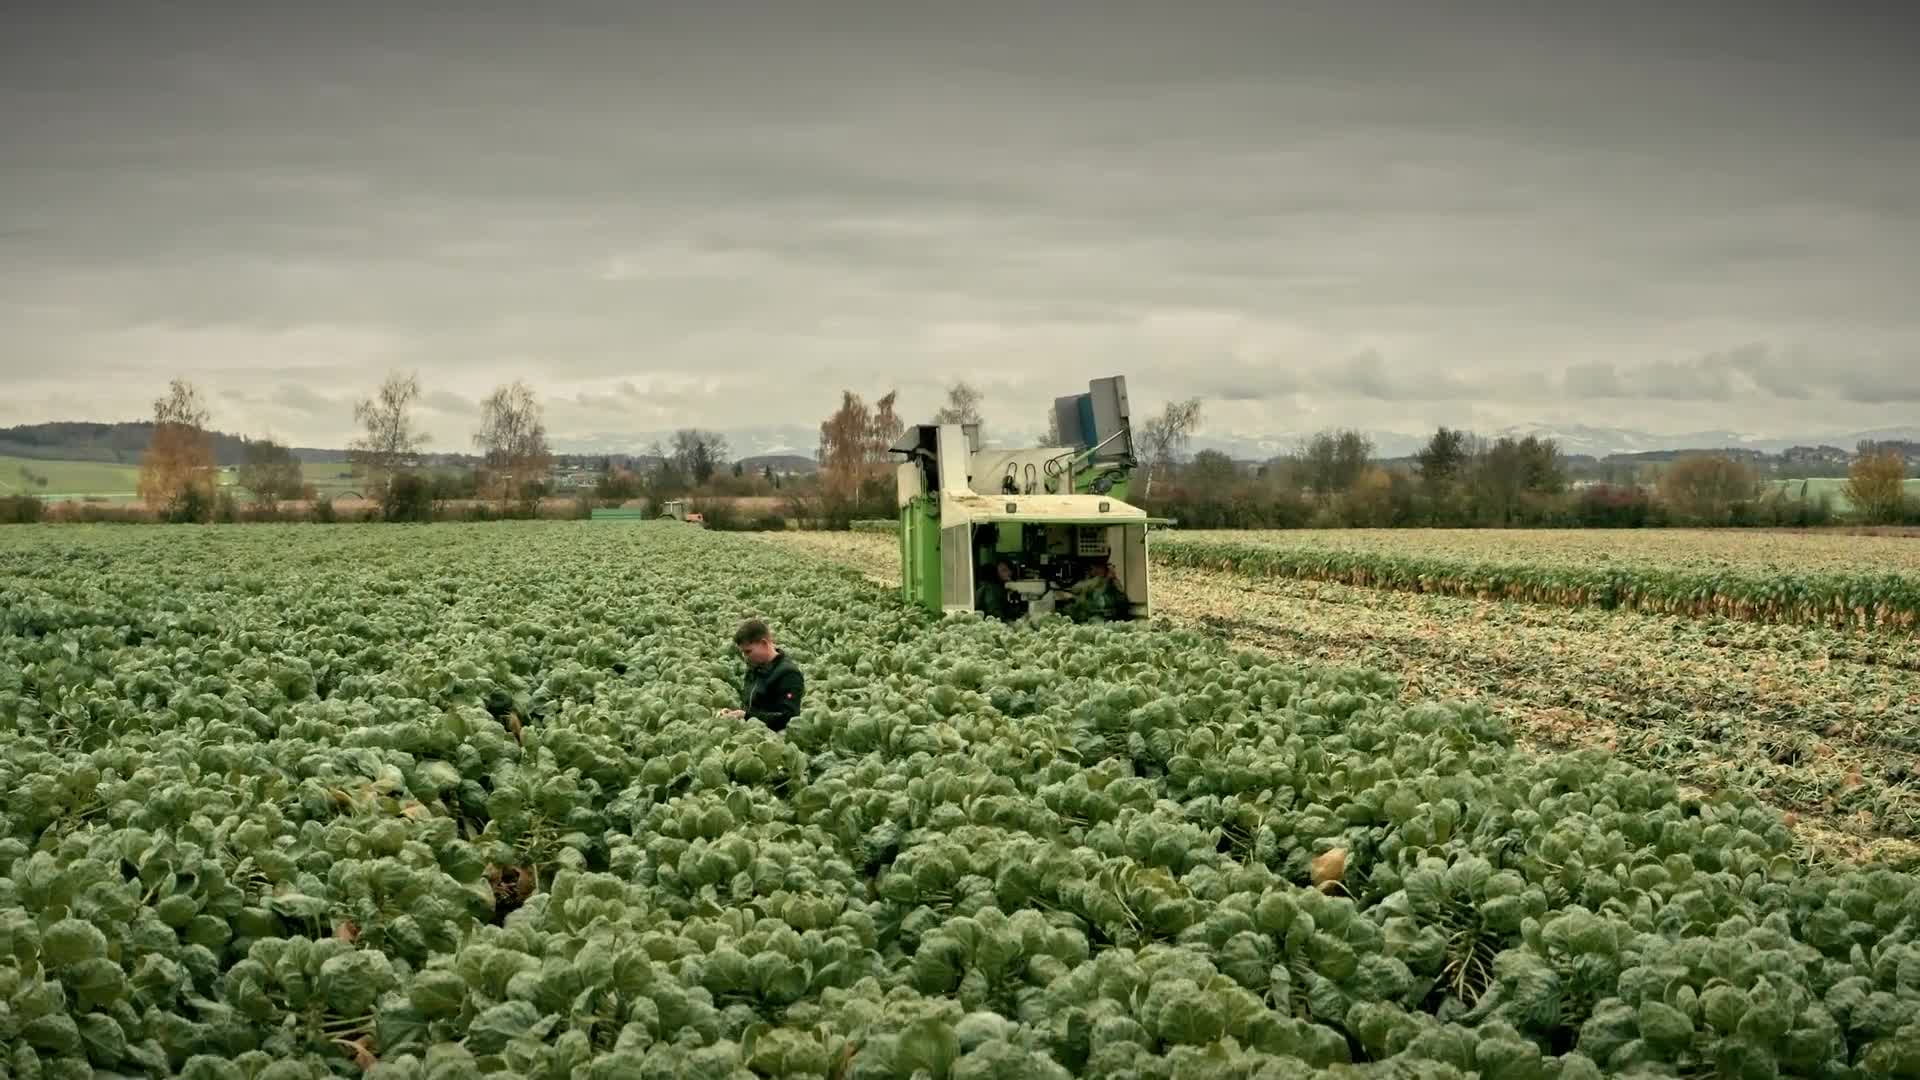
458 803
1822 723
1857 598
1756 550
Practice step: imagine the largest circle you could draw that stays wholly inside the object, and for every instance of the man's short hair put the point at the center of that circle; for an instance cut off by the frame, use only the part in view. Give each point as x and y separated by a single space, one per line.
751 631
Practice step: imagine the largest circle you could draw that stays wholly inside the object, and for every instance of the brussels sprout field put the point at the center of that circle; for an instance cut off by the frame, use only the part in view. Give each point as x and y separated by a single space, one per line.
1832 580
1821 723
455 800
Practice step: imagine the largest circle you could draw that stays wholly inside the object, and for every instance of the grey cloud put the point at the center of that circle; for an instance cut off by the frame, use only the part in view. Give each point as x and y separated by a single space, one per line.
443 401
1241 391
1748 372
1594 380
1250 378
1706 379
1364 375
300 399
848 197
1792 375
1368 375
1891 379
1783 375
621 398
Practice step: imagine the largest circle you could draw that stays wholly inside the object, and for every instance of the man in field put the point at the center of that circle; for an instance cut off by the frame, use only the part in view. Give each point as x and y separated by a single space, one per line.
773 686
994 600
1099 598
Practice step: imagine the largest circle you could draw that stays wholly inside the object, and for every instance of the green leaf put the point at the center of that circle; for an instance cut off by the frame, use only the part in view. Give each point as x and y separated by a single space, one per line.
71 941
784 1052
1664 1026
1503 914
56 1034
177 911
103 1039
494 1028
1508 1059
254 922
351 982
461 861
450 1061
1334 958
208 931
400 1029
928 1044
437 993
1768 1017
208 1067
1426 892
96 983
1723 1007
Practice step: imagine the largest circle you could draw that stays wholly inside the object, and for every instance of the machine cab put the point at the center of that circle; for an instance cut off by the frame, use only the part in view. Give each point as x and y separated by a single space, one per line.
1028 531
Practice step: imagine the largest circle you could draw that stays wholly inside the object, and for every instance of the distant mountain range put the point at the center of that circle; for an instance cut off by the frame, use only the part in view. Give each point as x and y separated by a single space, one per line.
791 447
121 443
1573 440
782 441
793 441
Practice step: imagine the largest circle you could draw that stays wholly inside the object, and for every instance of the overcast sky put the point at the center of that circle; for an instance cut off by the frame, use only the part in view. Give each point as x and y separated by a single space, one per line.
713 213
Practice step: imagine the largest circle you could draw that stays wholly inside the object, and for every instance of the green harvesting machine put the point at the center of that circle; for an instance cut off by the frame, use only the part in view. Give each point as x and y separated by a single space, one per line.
1054 513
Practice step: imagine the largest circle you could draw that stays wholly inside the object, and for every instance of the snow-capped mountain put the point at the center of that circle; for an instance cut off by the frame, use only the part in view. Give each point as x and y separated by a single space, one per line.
747 442
1573 439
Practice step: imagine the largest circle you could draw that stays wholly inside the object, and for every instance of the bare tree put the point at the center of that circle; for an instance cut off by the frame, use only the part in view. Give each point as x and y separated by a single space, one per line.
698 454
962 407
178 466
1332 462
664 479
390 439
1212 475
512 440
1165 437
271 472
1442 459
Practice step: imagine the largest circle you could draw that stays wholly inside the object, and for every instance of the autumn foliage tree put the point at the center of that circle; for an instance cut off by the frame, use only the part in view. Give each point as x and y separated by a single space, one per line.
854 441
177 473
884 430
1703 488
512 440
1876 484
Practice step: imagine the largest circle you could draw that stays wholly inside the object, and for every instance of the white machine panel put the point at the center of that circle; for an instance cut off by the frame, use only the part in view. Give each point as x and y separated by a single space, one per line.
956 567
1133 566
908 482
954 448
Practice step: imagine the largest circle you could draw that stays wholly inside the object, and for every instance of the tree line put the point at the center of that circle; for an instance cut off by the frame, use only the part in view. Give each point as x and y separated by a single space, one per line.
1461 480
179 478
1334 478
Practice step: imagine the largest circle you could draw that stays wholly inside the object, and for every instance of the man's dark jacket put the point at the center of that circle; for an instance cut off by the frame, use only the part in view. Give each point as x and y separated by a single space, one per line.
995 601
772 692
